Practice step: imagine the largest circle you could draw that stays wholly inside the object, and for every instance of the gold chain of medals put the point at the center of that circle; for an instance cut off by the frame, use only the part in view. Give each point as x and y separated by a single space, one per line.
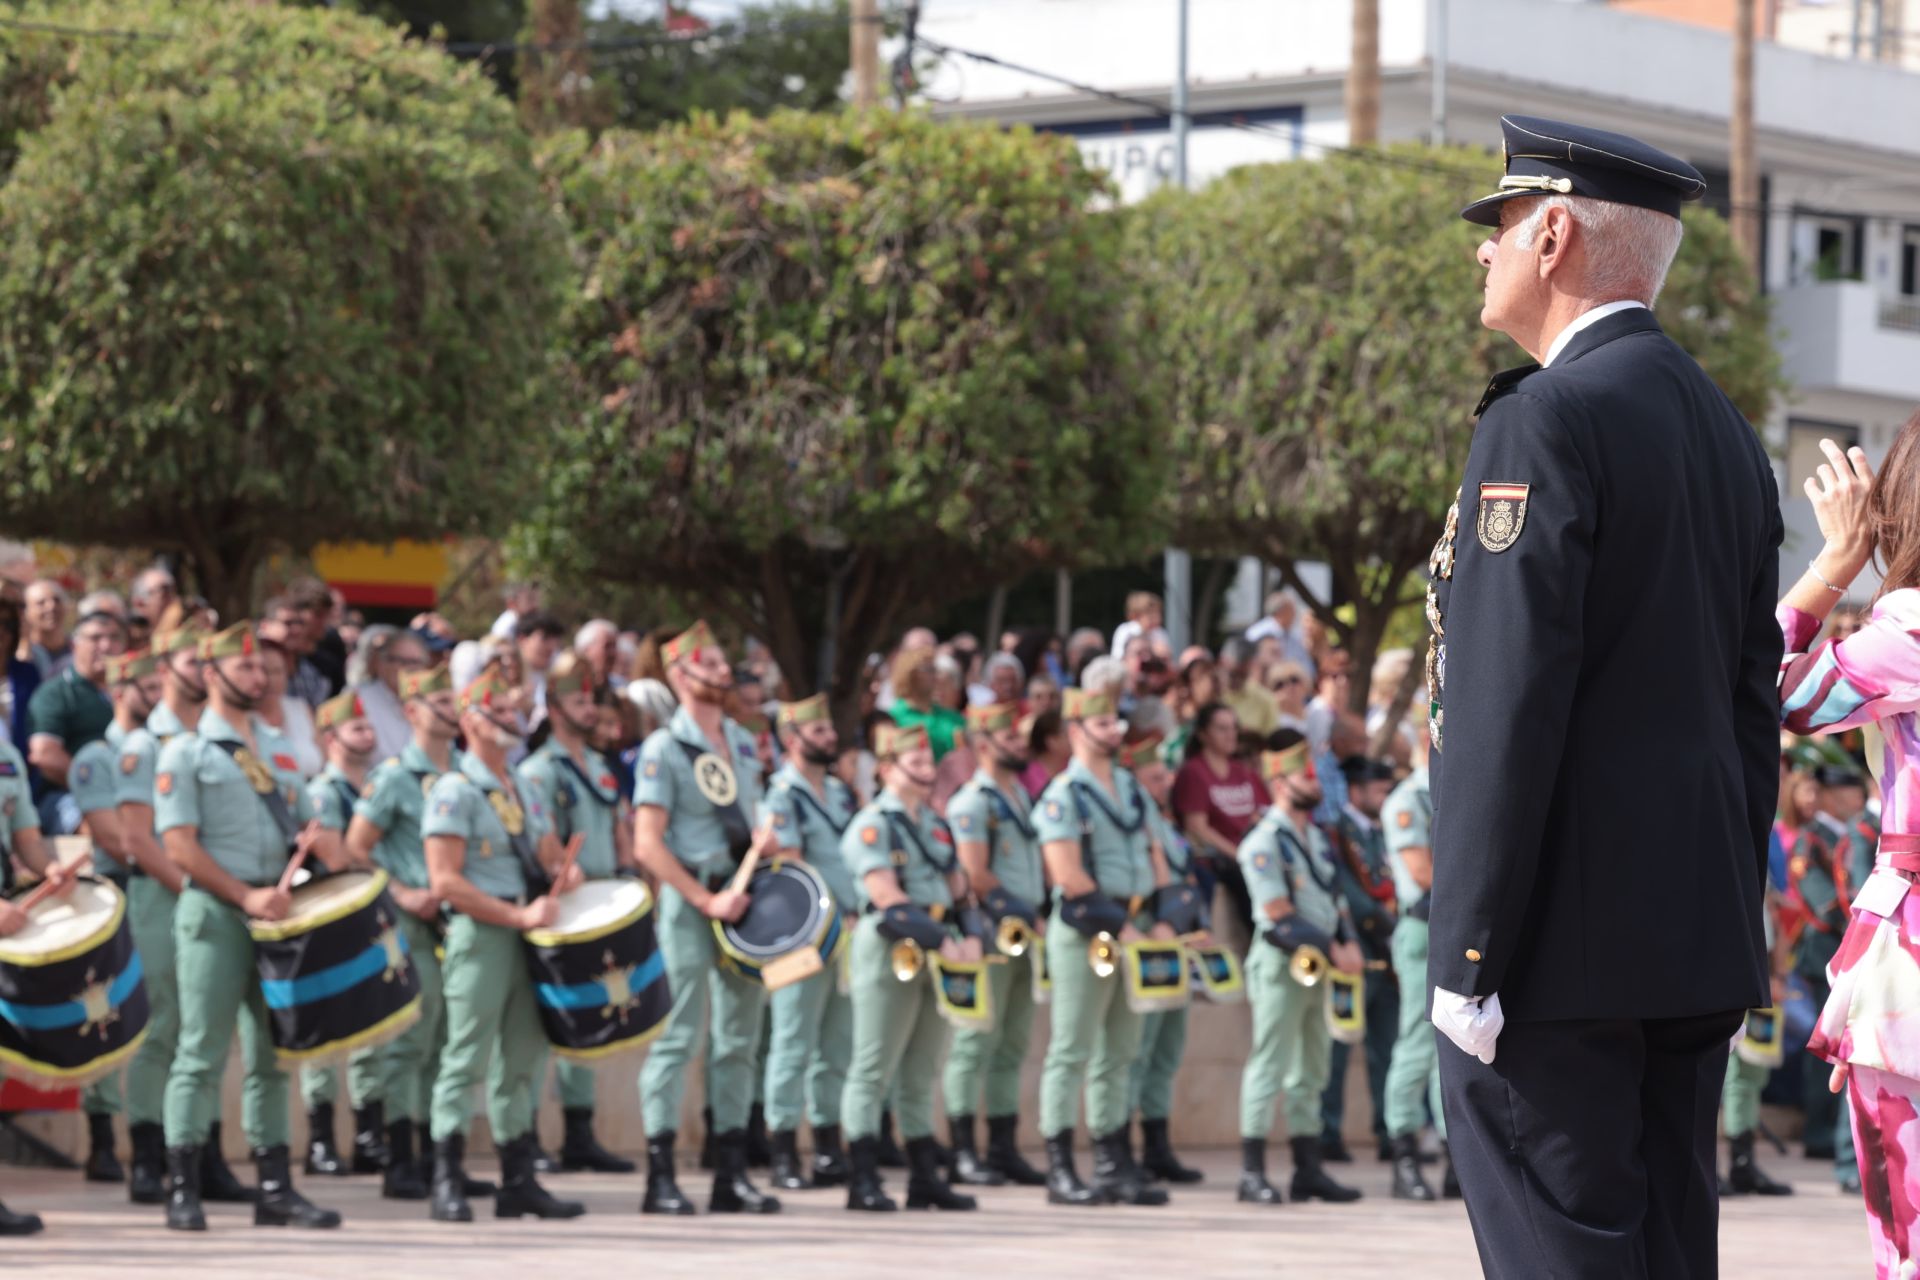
1439 567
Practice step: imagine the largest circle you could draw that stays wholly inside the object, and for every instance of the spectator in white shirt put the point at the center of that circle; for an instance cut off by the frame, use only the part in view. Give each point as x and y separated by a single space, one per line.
1145 614
1283 623
522 598
383 653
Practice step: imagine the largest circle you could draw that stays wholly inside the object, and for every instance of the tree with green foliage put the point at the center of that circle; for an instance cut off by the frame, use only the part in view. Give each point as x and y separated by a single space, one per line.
831 372
279 280
1316 326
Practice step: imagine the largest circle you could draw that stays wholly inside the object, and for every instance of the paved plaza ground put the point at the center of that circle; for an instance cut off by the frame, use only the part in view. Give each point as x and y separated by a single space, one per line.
94 1232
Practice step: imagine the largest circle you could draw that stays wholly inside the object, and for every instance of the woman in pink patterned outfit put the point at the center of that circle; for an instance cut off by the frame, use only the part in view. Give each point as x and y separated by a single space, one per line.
1870 1027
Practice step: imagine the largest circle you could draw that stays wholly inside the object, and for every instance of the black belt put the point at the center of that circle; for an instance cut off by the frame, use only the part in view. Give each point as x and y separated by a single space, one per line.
938 911
718 883
119 878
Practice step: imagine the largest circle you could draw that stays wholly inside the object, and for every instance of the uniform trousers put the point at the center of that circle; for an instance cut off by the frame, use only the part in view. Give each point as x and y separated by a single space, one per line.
991 1060
490 1014
1413 1074
898 1037
219 986
1740 1094
410 1062
1586 1147
1095 1038
711 1005
809 1048
1163 1042
1382 1000
1291 1047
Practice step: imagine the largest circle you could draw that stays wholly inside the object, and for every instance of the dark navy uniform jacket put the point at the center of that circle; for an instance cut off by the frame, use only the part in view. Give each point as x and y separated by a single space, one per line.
1607 759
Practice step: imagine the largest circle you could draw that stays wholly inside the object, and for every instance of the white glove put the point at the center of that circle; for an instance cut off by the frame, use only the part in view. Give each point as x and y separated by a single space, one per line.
1470 1022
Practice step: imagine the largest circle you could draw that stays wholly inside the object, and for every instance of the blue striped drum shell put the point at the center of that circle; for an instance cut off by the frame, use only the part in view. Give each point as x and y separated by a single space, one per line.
73 1007
337 973
599 977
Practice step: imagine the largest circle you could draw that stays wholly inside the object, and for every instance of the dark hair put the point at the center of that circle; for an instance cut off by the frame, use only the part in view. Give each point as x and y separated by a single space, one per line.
1202 721
1045 725
1893 505
538 623
308 593
870 725
10 624
1282 739
1032 649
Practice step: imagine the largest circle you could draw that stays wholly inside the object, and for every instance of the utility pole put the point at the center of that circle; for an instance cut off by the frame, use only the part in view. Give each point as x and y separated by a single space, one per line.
865 34
1176 565
1744 175
1363 76
1437 58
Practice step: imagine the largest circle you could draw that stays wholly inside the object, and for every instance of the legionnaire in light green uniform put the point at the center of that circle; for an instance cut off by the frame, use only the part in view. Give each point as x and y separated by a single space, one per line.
1163 1033
228 797
1366 884
488 852
152 892
571 782
1101 856
1413 1074
347 738
1294 885
696 798
19 839
992 823
808 810
908 876
90 781
1740 1100
385 833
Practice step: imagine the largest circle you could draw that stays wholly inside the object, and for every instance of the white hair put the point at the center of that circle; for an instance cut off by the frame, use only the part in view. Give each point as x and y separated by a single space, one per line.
999 660
1629 249
105 600
590 630
1104 674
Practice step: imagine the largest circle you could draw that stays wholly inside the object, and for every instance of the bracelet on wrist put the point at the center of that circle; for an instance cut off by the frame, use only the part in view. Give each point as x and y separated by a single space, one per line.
1813 567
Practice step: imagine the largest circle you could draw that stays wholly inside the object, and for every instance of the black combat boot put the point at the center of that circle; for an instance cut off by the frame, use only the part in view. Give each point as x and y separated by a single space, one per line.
147 1173
968 1168
1254 1187
279 1204
709 1157
402 1179
1117 1177
544 1161
1003 1153
218 1185
18 1224
1408 1184
1157 1156
183 1190
1310 1181
786 1172
581 1150
323 1158
1744 1176
1333 1149
927 1185
733 1191
759 1153
663 1193
450 1180
865 1193
521 1195
891 1156
1063 1180
102 1164
830 1168
370 1154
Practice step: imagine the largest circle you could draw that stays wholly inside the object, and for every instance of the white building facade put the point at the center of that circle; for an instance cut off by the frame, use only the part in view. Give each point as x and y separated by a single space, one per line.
1838 141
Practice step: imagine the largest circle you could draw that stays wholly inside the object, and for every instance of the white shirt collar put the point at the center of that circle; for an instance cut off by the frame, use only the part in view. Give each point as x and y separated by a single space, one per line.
1592 317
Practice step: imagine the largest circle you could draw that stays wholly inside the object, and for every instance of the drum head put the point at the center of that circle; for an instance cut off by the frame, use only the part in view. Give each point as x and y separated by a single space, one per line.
789 908
598 904
58 924
330 893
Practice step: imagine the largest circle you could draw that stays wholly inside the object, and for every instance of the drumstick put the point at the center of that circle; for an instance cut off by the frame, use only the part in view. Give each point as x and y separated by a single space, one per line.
299 856
44 890
747 866
567 856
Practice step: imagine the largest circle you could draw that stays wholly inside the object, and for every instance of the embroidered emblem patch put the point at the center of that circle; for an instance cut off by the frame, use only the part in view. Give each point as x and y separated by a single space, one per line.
870 835
164 784
652 769
1053 811
129 763
83 774
965 823
281 760
1262 861
1503 514
1405 819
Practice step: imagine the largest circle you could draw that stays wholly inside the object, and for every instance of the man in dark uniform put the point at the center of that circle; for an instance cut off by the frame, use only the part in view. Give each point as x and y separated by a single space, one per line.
1611 559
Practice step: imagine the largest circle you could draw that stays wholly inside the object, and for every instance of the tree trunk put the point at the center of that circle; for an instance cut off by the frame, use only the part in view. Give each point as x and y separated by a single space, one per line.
224 575
1208 605
1363 76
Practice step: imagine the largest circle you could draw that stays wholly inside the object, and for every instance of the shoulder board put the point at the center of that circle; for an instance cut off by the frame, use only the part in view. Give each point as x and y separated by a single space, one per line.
1502 383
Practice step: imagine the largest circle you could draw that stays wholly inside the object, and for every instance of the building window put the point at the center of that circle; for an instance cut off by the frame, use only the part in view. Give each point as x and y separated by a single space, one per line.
1804 454
1834 244
1910 262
